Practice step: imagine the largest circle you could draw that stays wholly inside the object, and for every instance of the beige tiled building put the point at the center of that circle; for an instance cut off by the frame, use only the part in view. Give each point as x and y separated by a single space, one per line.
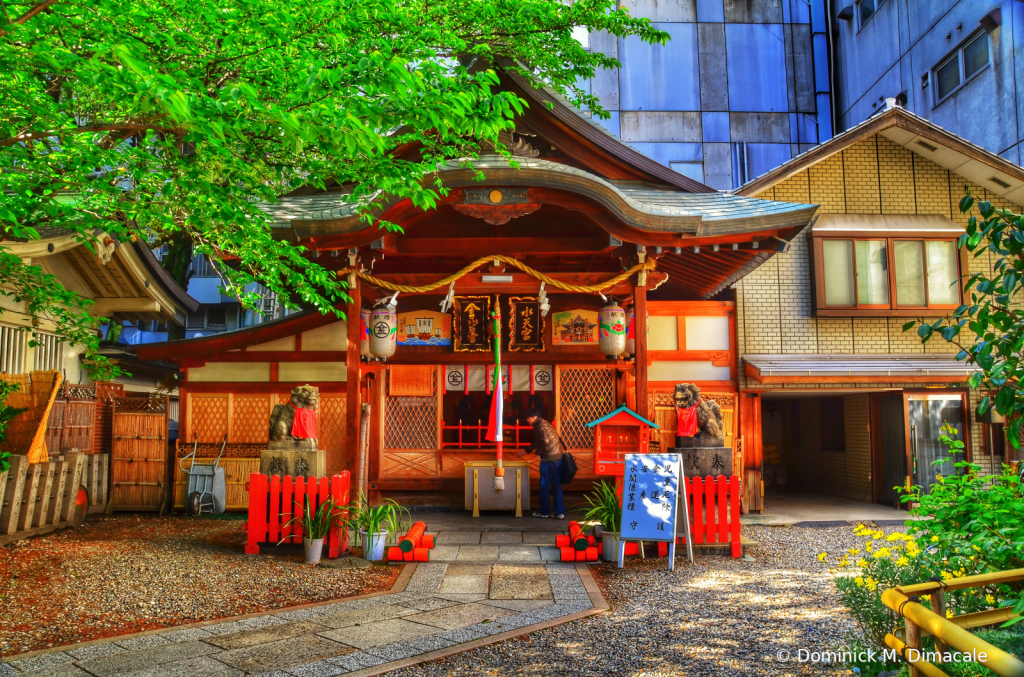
838 397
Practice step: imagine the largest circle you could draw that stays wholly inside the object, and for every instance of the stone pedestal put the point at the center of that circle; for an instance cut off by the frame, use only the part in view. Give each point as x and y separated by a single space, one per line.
300 458
705 461
695 441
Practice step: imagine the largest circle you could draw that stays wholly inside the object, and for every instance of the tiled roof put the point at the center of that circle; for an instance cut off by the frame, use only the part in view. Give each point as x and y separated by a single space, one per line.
679 211
812 365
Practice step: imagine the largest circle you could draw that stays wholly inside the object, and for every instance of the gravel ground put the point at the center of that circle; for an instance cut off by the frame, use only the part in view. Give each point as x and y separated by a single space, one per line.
717 617
129 573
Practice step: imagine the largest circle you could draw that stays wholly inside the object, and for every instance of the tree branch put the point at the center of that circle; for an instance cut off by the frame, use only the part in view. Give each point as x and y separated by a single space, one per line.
29 14
114 127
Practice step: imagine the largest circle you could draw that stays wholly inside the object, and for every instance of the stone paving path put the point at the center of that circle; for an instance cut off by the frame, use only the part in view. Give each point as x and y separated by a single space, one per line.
495 546
445 608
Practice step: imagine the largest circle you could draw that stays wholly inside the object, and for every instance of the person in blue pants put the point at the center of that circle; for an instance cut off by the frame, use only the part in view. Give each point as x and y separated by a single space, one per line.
549 448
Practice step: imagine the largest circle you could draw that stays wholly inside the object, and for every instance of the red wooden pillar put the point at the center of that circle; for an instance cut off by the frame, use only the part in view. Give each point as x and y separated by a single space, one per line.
640 336
750 429
353 407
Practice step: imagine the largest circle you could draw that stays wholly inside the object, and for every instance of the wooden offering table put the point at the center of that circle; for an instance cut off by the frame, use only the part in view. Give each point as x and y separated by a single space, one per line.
480 487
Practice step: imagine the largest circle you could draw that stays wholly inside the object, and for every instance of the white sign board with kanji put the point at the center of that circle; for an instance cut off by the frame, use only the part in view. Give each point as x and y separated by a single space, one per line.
652 489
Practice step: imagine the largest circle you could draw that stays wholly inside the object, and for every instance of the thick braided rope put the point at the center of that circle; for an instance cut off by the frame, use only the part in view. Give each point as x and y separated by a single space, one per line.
580 288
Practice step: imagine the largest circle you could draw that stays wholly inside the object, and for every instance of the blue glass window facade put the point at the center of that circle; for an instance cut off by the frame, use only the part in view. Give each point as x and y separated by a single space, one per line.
753 73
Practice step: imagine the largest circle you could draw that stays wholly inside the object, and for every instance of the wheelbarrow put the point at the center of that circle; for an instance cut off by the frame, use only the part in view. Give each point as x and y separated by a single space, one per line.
207 490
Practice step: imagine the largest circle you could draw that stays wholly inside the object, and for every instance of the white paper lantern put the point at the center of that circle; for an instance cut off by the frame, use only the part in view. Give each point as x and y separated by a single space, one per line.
611 330
383 331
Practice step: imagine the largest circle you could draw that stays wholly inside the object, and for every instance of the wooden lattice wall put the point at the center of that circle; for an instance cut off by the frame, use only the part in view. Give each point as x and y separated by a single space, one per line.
411 432
585 394
245 419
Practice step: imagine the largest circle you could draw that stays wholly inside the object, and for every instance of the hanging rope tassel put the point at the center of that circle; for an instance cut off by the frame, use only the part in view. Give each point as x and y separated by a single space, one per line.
499 473
499 470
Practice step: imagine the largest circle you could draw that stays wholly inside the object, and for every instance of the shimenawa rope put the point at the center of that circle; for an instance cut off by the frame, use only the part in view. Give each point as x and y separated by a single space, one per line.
550 281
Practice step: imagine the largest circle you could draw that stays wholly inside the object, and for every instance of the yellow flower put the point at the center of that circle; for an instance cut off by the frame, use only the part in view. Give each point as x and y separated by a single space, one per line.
990 599
871 583
935 539
976 548
869 546
882 552
949 613
894 536
844 561
946 575
854 551
859 581
822 556
879 534
862 562
902 561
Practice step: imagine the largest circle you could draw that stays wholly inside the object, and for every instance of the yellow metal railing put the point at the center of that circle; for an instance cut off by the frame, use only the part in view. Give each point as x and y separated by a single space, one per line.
950 634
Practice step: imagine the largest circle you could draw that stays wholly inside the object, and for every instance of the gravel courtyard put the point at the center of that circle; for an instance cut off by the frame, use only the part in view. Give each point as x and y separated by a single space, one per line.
717 617
128 573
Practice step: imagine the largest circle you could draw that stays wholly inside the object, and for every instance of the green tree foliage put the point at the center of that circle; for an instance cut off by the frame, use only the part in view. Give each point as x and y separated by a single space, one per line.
163 119
994 316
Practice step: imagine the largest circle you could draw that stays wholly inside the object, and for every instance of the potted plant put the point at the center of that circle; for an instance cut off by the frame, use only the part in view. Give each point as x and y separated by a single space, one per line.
603 506
316 524
377 524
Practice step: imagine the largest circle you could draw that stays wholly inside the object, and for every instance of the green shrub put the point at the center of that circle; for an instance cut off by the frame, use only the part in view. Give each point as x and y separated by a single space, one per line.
967 524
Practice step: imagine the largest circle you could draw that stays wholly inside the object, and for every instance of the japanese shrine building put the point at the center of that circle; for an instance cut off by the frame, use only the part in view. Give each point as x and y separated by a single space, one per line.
581 208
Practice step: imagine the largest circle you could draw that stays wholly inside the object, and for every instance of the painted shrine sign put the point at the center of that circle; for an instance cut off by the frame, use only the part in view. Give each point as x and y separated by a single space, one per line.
470 318
650 497
574 327
651 501
525 324
424 328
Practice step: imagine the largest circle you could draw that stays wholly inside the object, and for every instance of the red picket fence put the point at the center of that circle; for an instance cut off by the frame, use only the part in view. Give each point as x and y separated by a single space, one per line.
714 513
274 500
715 510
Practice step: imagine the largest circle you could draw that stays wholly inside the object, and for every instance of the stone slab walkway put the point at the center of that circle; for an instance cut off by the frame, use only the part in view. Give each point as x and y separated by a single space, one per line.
441 609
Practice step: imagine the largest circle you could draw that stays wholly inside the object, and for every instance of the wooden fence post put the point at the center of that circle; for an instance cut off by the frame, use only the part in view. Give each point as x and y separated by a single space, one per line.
256 525
60 488
15 487
28 497
77 462
939 607
913 642
44 496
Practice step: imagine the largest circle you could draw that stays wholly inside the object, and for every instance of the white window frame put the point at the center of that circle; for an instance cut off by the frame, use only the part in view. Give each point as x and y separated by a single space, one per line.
861 22
958 54
13 348
49 352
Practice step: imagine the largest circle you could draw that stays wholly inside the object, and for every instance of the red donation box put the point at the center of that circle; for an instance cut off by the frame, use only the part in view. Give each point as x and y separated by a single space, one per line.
621 432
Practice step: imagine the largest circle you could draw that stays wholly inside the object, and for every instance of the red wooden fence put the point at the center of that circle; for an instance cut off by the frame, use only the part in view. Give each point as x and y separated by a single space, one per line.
705 495
274 501
714 512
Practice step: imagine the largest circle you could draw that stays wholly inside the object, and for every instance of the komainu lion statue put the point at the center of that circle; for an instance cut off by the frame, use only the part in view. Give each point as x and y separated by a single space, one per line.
697 417
303 403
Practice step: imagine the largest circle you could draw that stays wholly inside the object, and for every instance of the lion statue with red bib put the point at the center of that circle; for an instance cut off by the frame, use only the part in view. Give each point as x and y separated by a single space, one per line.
297 419
696 417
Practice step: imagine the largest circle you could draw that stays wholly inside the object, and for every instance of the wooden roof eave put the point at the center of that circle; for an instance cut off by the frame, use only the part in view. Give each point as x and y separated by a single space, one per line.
179 351
40 248
646 225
